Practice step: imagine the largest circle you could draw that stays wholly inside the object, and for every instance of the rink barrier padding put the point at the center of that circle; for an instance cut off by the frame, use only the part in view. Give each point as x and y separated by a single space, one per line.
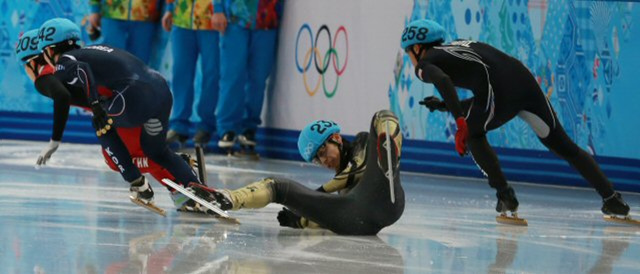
417 156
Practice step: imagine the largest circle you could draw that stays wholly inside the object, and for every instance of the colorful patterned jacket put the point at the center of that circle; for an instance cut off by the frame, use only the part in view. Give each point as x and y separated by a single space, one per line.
130 10
191 14
251 14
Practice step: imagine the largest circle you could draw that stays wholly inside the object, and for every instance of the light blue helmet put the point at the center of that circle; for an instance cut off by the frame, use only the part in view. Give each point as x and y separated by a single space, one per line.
27 45
57 30
421 31
313 136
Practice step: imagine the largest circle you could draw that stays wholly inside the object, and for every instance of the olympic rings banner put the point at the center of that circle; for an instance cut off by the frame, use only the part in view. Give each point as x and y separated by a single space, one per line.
320 60
334 63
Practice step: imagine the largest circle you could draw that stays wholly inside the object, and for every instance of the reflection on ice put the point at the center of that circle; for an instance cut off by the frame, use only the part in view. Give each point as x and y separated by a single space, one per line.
75 217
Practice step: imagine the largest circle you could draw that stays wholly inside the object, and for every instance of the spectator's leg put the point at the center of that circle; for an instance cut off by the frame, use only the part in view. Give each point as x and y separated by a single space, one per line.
209 48
261 61
233 73
185 56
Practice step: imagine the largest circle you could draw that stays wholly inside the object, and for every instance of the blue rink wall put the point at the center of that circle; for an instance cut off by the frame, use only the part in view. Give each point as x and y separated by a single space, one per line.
584 54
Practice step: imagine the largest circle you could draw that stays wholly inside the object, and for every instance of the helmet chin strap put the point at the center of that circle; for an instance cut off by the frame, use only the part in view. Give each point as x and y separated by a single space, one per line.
45 52
419 53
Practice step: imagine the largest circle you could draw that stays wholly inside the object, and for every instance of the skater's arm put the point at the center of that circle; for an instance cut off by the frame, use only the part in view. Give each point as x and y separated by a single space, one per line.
49 86
429 72
79 74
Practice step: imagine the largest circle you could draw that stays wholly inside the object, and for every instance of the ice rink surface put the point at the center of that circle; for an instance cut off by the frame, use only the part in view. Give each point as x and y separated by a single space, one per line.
74 216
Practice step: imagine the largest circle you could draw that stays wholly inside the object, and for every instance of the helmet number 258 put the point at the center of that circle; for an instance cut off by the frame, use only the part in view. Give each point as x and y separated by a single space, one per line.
410 33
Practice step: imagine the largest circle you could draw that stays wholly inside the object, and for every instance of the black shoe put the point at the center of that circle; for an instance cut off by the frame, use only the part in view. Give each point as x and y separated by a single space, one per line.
227 140
615 205
507 200
174 136
219 198
202 138
248 138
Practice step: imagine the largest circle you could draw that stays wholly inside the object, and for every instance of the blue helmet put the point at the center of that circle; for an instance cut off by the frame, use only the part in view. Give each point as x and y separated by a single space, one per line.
27 45
421 31
57 30
313 136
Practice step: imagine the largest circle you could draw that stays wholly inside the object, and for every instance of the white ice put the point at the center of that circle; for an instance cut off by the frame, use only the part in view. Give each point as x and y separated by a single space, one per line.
74 216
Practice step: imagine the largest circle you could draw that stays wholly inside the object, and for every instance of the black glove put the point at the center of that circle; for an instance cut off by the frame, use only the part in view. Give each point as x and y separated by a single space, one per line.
288 218
101 121
433 103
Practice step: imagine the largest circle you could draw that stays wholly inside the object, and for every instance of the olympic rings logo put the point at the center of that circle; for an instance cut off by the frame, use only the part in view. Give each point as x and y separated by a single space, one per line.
321 63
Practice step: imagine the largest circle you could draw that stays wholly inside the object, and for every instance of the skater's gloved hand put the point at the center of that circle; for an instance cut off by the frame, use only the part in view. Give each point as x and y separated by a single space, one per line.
101 121
288 218
46 153
461 136
433 103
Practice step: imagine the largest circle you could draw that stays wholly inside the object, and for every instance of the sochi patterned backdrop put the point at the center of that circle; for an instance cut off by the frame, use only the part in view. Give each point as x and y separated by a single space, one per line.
584 54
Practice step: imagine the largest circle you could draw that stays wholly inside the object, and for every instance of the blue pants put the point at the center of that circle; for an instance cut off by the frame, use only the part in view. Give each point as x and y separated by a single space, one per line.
186 45
246 60
135 37
144 103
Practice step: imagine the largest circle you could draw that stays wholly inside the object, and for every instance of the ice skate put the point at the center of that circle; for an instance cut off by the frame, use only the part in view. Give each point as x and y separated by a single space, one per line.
507 202
247 146
204 199
227 142
201 167
616 210
142 195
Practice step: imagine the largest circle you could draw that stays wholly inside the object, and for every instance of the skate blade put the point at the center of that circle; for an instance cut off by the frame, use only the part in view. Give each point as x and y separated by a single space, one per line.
621 220
511 220
197 199
153 208
228 220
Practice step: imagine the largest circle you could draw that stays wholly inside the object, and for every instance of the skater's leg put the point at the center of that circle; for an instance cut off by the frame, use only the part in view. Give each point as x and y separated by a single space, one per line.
340 214
116 150
153 136
487 160
384 200
542 119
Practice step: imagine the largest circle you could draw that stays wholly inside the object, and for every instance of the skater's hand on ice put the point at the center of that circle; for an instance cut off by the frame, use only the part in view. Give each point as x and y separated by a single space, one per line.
46 153
101 121
288 218
461 136
433 103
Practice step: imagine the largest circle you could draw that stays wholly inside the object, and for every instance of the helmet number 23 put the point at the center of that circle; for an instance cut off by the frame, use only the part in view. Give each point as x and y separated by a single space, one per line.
414 32
45 34
321 126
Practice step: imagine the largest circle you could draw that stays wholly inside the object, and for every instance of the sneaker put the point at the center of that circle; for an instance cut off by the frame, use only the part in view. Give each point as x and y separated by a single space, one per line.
507 200
141 190
248 138
202 138
173 136
227 140
615 205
